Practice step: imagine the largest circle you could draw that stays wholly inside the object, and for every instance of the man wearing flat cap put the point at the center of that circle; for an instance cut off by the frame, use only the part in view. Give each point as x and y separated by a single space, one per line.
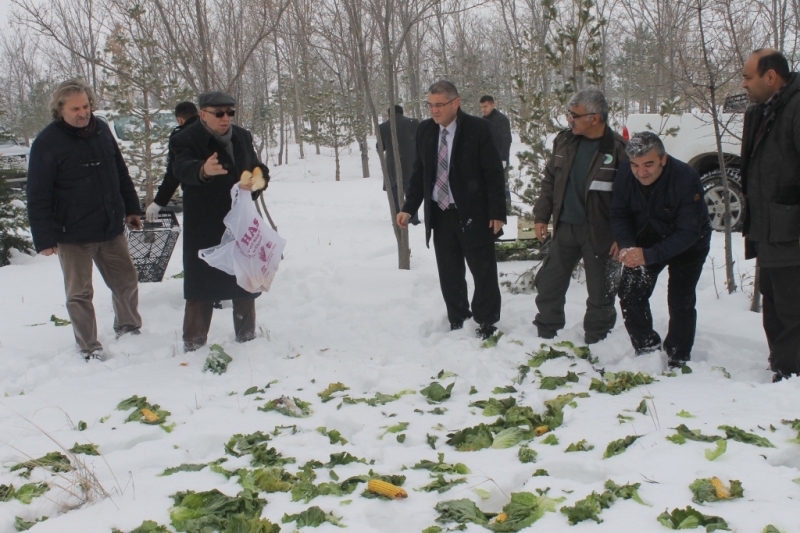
210 156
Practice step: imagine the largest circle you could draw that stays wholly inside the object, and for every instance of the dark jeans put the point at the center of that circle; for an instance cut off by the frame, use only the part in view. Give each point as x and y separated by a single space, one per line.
780 289
197 321
637 286
570 245
451 252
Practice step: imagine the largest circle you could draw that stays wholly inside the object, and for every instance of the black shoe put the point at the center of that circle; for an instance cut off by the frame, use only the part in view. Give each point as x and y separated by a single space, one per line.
485 331
459 324
545 334
674 363
780 376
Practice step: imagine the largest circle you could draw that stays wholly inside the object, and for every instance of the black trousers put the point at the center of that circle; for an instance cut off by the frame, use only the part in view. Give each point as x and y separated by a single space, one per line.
451 252
197 321
635 289
780 289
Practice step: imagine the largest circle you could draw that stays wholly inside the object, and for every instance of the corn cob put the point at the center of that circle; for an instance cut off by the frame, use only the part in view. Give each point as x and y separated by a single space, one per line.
541 430
722 491
149 415
386 489
502 517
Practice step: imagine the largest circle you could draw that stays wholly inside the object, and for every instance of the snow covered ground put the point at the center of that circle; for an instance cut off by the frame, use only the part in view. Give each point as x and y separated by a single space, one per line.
340 311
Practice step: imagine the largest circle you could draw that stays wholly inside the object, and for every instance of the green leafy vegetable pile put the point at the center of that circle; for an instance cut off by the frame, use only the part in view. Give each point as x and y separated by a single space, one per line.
690 518
591 506
293 407
617 383
217 360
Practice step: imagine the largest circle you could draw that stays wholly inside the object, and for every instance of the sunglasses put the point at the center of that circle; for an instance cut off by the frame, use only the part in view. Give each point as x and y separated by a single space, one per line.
220 114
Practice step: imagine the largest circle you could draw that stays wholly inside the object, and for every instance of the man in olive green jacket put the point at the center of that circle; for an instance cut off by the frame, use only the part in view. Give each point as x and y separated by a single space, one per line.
576 193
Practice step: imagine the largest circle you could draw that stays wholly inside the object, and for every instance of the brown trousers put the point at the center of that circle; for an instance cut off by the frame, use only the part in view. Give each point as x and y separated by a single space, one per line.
113 260
197 321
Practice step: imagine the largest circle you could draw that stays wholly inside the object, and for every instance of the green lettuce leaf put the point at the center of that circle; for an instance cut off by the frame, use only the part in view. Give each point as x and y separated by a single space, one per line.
722 446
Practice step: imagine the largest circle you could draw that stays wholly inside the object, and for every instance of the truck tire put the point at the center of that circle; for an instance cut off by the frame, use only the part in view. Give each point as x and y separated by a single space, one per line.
712 190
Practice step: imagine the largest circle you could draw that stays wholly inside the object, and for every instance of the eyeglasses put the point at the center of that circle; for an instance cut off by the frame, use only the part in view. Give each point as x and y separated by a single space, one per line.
575 116
220 114
438 106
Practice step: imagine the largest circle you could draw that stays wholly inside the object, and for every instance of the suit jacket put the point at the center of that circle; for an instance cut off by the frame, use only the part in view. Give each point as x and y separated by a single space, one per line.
205 204
170 183
476 178
502 133
770 179
406 136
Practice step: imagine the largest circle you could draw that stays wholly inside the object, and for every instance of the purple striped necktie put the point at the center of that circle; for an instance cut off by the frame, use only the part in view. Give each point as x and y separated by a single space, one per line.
442 189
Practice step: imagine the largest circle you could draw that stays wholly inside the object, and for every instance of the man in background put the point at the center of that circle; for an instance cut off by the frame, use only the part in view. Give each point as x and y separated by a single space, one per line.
771 184
501 127
186 113
80 197
406 135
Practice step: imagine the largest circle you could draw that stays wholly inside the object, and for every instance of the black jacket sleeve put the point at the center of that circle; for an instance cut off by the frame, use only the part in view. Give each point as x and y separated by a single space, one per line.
42 171
622 219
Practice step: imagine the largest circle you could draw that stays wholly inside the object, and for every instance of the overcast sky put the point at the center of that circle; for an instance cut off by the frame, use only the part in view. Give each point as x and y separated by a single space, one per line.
4 9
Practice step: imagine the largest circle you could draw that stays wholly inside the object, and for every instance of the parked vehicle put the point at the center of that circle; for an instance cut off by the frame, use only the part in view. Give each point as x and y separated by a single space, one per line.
694 142
13 162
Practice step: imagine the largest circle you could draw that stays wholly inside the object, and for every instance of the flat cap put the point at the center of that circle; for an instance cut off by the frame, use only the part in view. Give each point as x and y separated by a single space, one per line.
216 99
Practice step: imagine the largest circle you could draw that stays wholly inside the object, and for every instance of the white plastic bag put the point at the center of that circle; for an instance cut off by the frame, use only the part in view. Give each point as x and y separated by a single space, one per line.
250 249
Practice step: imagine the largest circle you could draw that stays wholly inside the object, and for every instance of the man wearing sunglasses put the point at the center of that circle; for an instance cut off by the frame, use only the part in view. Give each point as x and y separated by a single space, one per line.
459 177
210 156
576 194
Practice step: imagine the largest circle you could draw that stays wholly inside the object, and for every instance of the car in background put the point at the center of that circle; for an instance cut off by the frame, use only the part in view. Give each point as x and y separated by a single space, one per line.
13 161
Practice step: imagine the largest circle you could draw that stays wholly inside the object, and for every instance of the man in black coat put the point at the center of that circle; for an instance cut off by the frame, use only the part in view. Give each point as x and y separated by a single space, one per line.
80 196
406 135
459 177
501 127
660 219
186 113
210 156
771 183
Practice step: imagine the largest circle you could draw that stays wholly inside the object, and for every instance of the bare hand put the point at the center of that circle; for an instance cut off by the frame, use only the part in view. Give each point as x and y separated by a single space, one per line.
496 225
540 229
614 252
49 251
632 257
212 167
402 219
133 221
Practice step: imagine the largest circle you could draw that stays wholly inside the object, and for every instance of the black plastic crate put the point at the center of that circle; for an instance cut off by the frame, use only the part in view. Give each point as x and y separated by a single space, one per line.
152 246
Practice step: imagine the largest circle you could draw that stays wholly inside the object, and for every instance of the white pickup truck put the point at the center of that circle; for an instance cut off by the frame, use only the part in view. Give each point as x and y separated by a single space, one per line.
694 143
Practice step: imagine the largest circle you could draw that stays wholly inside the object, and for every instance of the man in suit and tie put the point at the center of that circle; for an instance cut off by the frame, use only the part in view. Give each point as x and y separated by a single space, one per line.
459 177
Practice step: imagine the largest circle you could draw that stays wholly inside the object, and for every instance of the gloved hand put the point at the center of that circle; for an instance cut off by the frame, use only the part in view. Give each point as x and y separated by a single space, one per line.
151 215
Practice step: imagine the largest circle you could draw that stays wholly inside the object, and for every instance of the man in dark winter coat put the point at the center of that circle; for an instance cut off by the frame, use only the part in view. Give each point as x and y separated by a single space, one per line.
501 127
80 196
576 193
660 219
406 135
459 177
771 183
186 113
210 156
